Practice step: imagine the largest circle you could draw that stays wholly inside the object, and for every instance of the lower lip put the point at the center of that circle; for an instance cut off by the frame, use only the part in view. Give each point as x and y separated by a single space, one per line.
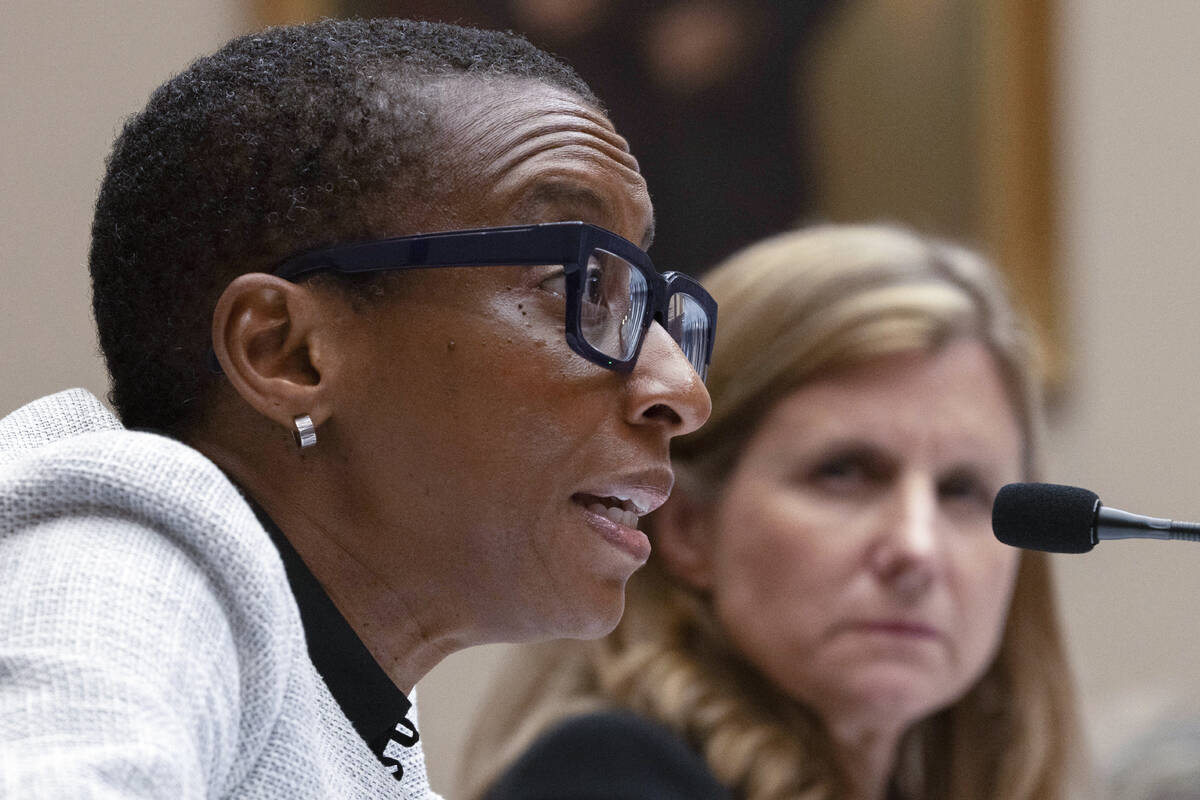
900 630
631 540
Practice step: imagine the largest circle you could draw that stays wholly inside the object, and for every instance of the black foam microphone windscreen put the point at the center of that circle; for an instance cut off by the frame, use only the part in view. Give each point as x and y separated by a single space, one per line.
1045 516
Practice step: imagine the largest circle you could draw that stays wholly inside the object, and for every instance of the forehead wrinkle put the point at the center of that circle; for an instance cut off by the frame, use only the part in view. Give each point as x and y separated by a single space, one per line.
499 133
508 155
580 150
502 137
551 108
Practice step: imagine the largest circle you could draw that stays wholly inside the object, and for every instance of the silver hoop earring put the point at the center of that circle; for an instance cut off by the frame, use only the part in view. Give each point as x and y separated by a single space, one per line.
305 433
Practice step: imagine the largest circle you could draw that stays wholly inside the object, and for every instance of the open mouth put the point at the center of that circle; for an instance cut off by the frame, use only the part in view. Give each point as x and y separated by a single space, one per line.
621 510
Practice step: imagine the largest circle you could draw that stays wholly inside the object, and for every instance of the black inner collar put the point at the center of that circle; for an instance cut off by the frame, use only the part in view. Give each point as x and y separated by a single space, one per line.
374 705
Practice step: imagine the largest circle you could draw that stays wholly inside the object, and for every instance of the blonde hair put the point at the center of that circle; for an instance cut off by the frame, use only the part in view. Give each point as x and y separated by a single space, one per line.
791 308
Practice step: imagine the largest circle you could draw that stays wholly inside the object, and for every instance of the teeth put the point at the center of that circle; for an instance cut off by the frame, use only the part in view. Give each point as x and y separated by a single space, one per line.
638 508
617 515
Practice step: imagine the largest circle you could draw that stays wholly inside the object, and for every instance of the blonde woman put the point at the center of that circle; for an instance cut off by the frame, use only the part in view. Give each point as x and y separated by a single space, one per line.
826 613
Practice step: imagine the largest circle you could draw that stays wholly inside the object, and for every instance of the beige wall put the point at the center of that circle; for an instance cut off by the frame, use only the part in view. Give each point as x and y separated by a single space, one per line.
70 71
1128 427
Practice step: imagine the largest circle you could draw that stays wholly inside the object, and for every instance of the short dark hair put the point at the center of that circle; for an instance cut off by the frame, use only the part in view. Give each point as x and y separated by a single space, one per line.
280 141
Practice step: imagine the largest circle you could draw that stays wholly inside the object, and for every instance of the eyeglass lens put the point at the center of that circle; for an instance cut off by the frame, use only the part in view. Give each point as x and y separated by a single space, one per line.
615 295
689 325
614 300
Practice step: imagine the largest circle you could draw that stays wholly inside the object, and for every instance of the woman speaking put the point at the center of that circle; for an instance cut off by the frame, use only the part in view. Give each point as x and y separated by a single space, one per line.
395 377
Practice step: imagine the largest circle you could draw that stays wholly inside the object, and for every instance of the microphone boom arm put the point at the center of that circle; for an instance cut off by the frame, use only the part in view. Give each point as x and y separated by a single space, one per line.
1113 523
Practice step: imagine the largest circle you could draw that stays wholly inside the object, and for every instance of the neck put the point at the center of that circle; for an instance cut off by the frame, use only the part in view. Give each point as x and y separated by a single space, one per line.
410 619
402 632
866 758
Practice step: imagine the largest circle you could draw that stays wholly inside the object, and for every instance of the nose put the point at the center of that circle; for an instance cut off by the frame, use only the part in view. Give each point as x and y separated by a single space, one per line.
664 389
904 553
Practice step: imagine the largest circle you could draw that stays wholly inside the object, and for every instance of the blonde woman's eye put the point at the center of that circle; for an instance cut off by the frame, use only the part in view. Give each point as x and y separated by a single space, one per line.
840 474
965 487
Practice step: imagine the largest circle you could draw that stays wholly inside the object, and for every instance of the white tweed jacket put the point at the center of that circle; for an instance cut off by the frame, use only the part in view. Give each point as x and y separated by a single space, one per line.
150 645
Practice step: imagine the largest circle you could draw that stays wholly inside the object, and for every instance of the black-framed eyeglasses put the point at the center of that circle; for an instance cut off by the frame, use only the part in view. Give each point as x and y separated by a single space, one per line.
613 292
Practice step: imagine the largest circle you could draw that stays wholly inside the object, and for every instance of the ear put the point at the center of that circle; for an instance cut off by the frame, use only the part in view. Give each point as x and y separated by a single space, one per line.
683 539
265 334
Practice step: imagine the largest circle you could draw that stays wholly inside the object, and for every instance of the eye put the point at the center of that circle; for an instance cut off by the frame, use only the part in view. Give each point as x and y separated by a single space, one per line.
965 486
850 470
593 285
841 474
555 283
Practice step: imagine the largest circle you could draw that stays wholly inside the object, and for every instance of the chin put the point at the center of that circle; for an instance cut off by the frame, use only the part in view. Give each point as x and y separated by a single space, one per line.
591 615
595 619
896 695
871 692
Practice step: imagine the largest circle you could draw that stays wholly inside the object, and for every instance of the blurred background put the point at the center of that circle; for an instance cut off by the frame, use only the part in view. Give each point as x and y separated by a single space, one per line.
1063 138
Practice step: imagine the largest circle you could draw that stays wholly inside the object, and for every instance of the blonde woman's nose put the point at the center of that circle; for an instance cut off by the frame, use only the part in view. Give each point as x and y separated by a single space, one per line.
906 545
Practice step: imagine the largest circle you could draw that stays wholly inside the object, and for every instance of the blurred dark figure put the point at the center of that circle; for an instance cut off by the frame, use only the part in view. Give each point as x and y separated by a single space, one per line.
704 91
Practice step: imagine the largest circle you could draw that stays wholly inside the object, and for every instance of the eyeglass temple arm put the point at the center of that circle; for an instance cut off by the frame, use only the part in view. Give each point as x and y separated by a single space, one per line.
550 244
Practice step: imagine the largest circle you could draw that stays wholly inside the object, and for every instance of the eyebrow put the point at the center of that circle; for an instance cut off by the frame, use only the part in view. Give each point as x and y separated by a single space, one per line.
648 236
576 197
